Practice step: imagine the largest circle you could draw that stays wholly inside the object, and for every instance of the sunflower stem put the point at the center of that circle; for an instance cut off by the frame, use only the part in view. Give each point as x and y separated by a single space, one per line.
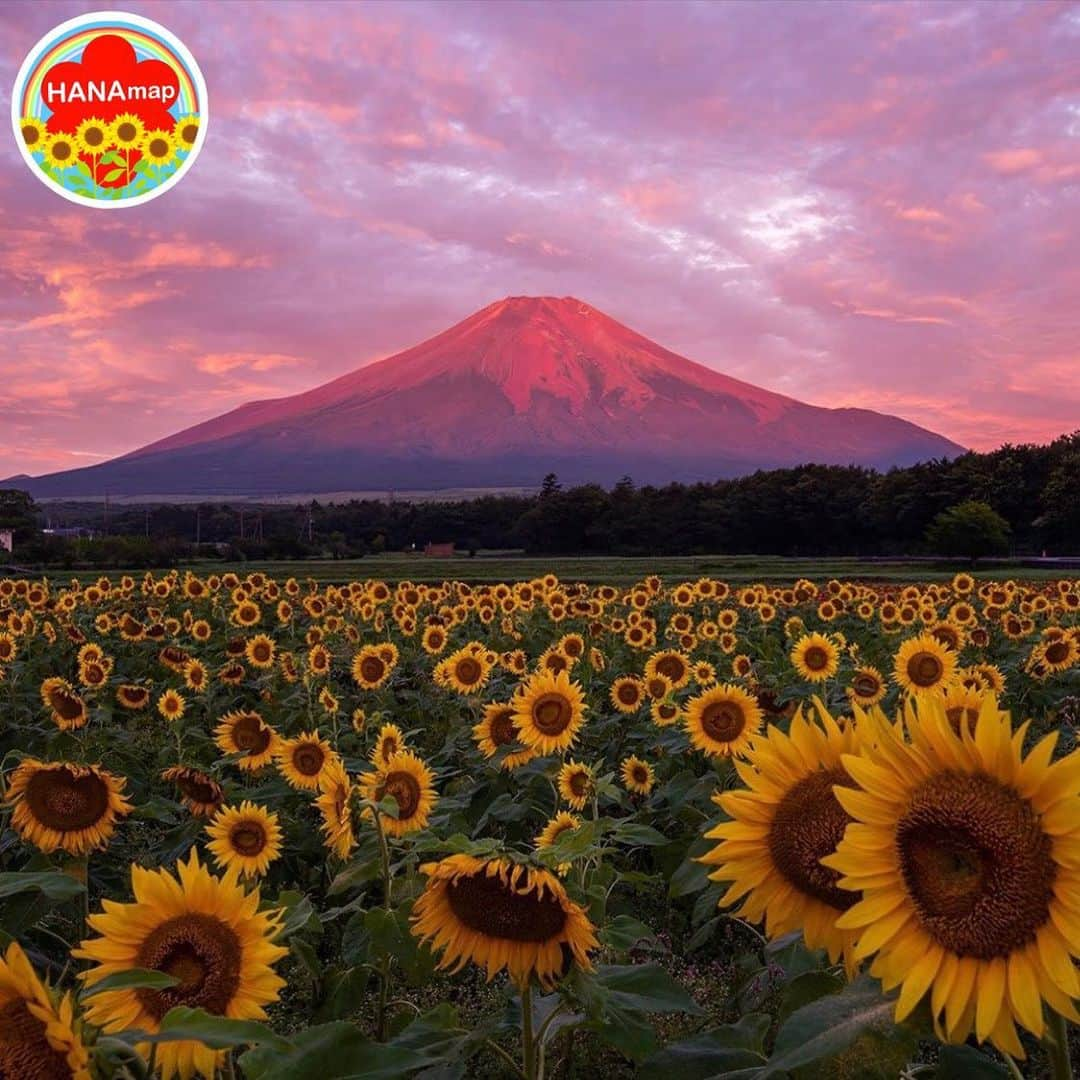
1056 1044
528 1042
388 900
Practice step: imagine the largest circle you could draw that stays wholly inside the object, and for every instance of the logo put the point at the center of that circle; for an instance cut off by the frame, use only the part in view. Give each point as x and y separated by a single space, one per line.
109 110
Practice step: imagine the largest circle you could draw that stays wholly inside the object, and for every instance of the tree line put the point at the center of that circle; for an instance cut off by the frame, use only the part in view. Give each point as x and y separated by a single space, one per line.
1032 491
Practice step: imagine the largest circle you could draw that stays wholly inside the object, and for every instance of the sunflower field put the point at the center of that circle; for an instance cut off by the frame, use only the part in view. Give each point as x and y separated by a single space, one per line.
270 829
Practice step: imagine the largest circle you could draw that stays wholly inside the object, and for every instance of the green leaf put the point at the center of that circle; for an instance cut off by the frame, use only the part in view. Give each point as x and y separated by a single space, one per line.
111 157
690 877
967 1063
632 832
830 1025
343 993
699 1058
335 1051
645 988
83 168
805 988
53 884
113 174
300 915
625 932
217 1032
132 979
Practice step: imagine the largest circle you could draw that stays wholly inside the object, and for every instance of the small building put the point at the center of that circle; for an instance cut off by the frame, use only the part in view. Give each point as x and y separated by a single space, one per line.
439 551
7 540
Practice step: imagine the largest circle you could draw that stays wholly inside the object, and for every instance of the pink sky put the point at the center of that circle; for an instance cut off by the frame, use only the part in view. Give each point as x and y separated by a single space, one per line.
870 204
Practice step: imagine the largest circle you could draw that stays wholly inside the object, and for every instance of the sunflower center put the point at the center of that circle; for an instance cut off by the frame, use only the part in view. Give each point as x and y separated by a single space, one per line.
199 790
404 788
628 693
62 800
672 667
502 727
31 135
865 685
808 824
126 132
723 721
65 705
371 667
468 671
248 838
493 908
667 711
639 774
552 714
556 663
251 735
1056 652
24 1050
579 783
976 863
308 759
816 658
925 669
202 953
61 151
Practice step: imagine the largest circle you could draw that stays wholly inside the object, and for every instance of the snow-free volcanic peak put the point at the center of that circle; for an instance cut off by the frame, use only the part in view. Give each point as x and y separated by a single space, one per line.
525 386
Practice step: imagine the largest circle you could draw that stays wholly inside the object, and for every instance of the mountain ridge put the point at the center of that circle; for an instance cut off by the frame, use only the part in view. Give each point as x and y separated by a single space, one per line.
524 386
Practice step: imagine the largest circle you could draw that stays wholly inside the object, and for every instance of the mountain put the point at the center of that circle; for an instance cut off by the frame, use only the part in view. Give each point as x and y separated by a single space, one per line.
526 386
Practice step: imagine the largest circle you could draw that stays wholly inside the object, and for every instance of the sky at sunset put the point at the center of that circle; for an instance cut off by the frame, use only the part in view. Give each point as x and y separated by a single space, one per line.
868 204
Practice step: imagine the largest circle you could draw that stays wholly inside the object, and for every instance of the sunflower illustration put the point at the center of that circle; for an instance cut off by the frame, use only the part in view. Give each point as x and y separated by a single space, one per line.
501 915
549 711
63 806
127 131
245 837
39 1036
781 826
722 720
962 850
199 791
408 781
93 136
33 132
186 131
203 930
61 150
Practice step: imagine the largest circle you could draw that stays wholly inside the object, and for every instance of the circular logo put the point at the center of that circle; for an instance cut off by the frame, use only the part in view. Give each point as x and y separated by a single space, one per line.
109 110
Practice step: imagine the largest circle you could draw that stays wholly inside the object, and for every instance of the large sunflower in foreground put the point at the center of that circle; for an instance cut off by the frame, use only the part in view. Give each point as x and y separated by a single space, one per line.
781 825
247 837
63 806
923 664
203 930
965 853
407 780
39 1039
722 720
499 914
548 712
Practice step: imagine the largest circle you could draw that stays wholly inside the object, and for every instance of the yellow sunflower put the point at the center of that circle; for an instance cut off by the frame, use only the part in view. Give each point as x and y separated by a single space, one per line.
39 1036
575 783
68 708
498 914
964 852
171 705
203 930
132 697
199 792
497 730
186 131
722 720
389 741
92 136
781 825
159 147
247 733
672 665
867 686
923 664
33 132
127 131
562 822
247 838
665 713
815 657
63 806
370 668
549 711
61 150
335 806
638 776
627 694
408 781
303 760
260 652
